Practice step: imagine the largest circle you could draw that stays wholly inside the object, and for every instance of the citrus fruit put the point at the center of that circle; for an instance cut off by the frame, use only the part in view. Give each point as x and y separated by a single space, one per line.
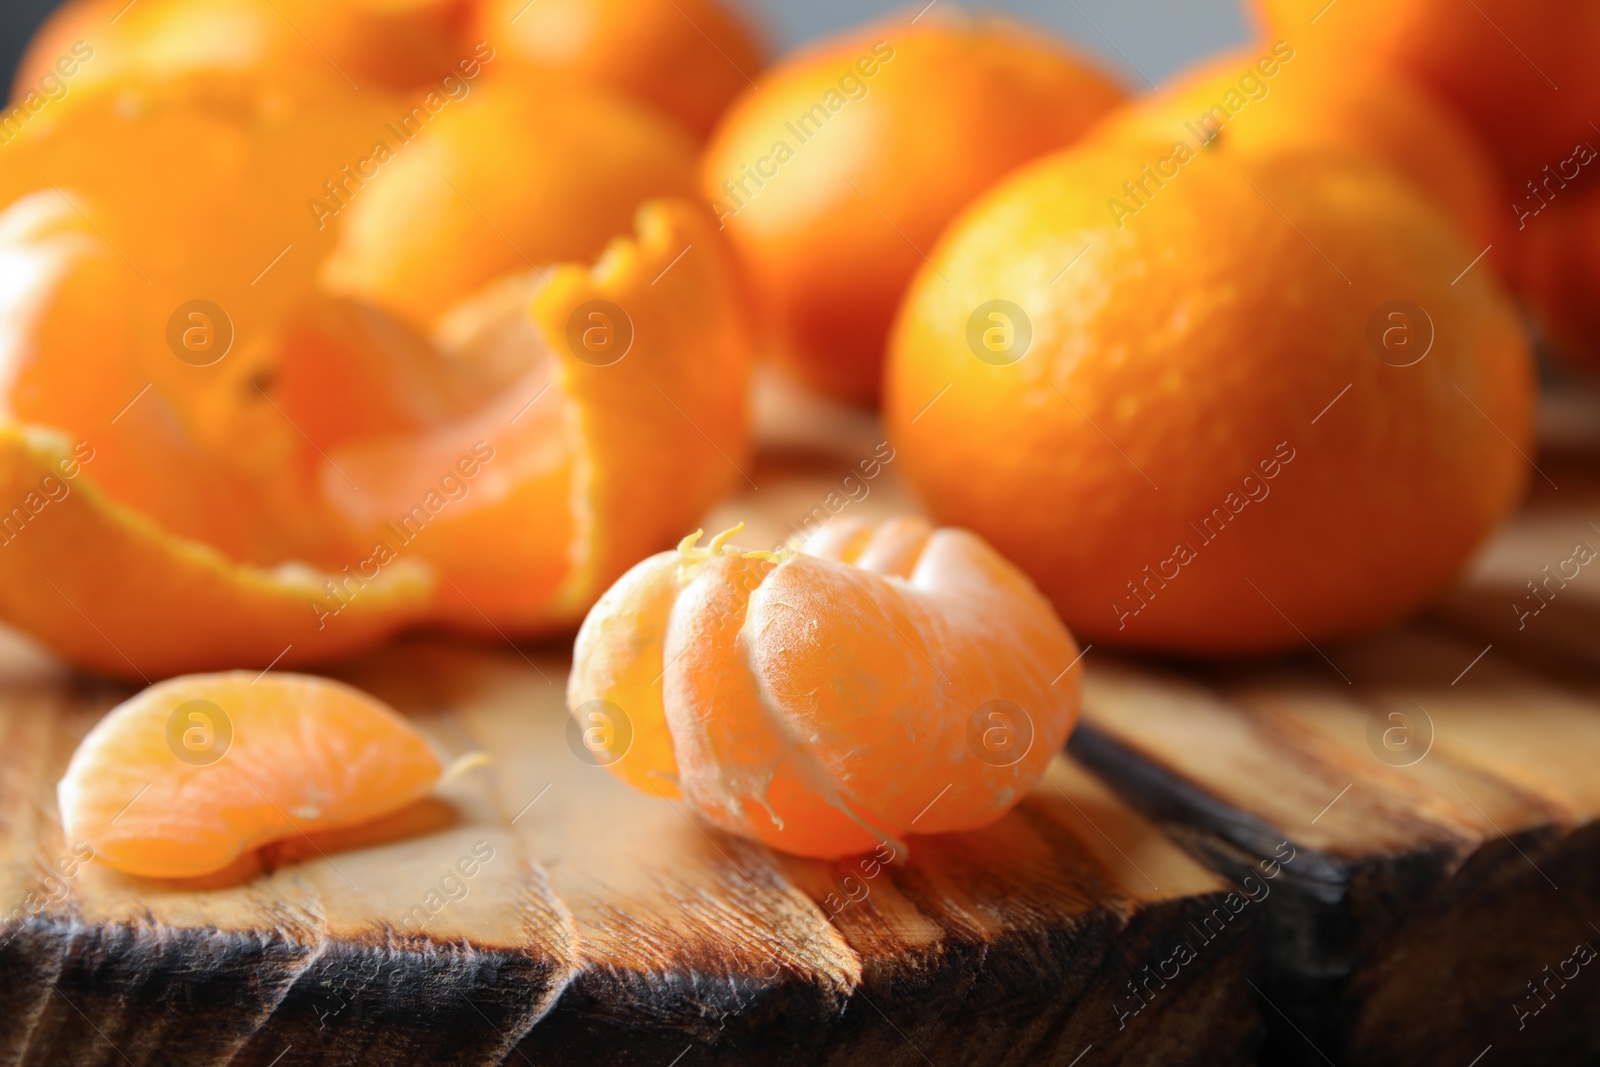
326 459
686 57
1520 71
507 181
153 325
1563 274
1263 101
627 420
106 588
836 176
189 775
1267 402
887 679
364 44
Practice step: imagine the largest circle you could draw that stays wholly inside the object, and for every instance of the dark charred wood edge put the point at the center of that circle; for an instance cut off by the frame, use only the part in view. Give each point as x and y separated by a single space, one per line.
138 993
1336 928
174 997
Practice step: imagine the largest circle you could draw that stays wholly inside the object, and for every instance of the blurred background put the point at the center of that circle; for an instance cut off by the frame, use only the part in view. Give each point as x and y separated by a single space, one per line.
1146 39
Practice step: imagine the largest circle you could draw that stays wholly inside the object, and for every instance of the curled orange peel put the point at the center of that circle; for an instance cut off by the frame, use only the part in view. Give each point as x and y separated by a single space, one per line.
663 432
106 588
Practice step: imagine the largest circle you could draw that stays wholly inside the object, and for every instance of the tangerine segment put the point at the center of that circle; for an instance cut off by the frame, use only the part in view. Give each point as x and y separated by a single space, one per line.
686 57
189 775
843 167
884 680
106 588
511 178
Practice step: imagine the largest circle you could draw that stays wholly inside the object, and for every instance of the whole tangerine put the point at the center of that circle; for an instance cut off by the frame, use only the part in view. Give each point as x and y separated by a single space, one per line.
838 174
1261 100
363 43
1264 402
1522 72
1563 274
688 58
505 181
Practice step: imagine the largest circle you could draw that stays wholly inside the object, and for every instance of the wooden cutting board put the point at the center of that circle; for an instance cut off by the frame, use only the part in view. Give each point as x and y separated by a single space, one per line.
1224 866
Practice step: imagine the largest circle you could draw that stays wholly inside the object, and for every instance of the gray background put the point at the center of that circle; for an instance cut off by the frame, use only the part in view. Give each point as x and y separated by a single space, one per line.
1146 39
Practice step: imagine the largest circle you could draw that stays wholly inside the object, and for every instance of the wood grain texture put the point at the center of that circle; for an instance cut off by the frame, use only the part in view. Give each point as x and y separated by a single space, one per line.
605 926
1441 785
1230 865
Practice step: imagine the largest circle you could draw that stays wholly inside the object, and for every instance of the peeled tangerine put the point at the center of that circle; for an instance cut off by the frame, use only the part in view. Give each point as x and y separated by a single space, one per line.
191 774
883 680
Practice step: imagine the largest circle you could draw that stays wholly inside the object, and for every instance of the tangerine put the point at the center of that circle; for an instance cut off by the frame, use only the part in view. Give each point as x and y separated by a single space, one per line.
1267 401
837 175
687 58
260 442
1521 72
1244 102
507 181
188 775
886 679
364 44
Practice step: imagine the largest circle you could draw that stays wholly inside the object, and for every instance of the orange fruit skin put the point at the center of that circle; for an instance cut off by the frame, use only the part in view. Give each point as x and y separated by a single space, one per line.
665 431
688 58
109 590
367 44
589 464
1209 359
111 259
832 218
1521 72
229 481
1380 115
1563 274
837 698
293 755
510 179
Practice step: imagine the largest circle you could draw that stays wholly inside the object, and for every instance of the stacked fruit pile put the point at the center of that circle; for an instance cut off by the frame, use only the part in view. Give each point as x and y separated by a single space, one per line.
326 320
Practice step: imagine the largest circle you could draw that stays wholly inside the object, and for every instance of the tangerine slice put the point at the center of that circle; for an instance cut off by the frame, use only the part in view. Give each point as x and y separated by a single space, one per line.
191 774
107 588
884 680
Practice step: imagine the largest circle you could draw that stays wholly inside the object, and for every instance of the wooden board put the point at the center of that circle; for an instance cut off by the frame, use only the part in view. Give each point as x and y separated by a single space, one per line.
1440 785
598 925
1222 869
